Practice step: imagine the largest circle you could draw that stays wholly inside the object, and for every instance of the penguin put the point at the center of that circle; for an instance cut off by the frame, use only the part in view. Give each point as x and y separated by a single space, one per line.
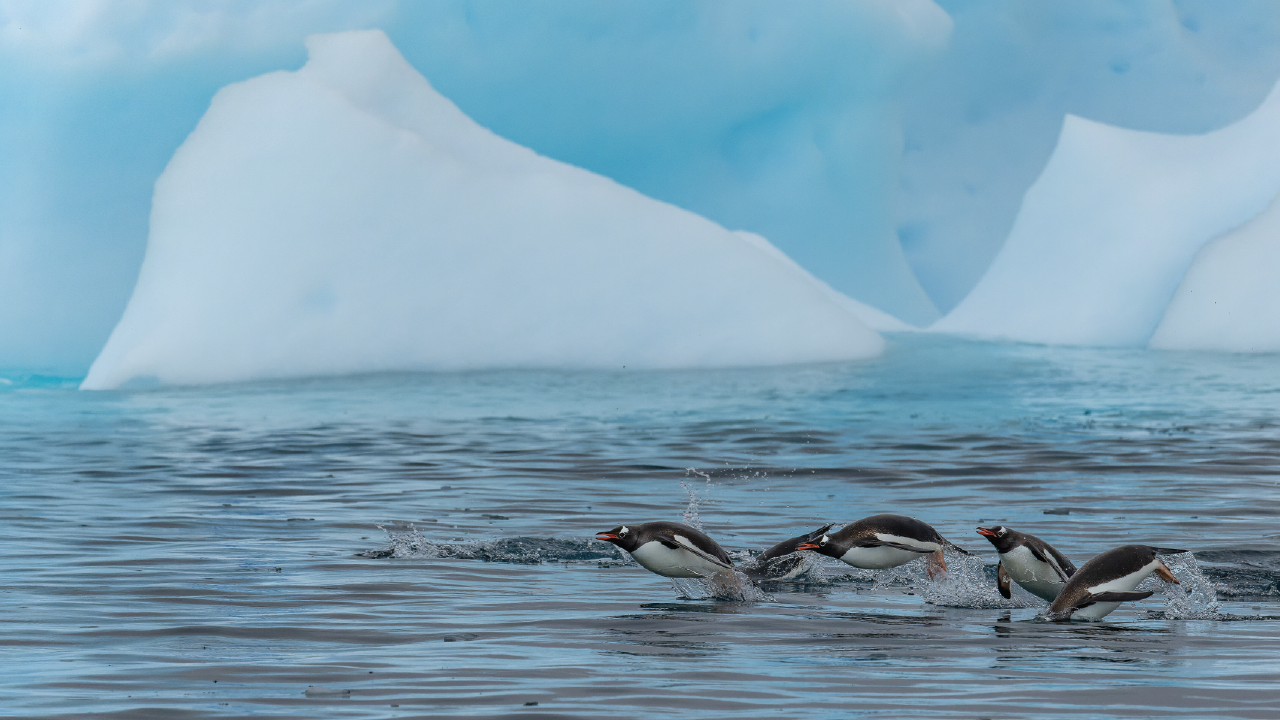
670 549
781 562
1029 561
1107 580
884 541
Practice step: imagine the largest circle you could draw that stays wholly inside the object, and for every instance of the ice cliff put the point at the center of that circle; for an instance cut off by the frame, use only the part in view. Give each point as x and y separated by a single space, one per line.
348 218
1230 298
1108 230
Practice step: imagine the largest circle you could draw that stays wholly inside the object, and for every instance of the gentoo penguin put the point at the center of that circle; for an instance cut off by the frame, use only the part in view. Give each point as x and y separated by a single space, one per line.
1029 561
781 562
884 541
670 549
1107 580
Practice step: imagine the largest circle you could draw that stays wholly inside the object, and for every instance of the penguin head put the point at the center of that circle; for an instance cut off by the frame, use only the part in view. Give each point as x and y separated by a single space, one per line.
999 535
622 536
824 545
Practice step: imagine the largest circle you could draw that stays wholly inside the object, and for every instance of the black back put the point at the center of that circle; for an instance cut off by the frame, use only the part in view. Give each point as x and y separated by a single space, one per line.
862 533
1106 566
664 532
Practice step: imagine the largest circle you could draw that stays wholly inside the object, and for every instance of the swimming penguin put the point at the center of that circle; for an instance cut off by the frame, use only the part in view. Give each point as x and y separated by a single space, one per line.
1107 580
781 562
670 549
1029 561
884 541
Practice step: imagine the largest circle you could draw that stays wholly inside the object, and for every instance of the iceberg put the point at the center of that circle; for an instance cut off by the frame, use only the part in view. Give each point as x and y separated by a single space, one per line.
1230 298
1110 227
981 123
347 218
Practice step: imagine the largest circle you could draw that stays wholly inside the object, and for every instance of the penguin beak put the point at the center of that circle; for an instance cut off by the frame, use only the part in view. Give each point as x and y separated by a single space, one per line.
806 546
1163 573
985 532
606 535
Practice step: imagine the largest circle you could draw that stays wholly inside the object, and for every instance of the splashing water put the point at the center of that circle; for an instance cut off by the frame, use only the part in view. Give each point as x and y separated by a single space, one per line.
804 568
692 517
728 585
1193 598
517 550
965 584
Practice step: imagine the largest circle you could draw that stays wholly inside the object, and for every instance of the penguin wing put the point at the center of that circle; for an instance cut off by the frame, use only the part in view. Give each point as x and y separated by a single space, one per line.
876 542
1108 596
1051 559
1002 580
687 544
1061 563
1120 596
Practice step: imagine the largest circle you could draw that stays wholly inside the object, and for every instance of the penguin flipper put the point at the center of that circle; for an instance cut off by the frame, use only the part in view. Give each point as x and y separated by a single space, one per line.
1106 596
1051 559
1119 596
687 544
900 546
1062 562
1002 581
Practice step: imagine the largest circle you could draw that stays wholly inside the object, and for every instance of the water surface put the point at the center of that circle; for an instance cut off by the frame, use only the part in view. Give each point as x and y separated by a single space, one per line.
419 544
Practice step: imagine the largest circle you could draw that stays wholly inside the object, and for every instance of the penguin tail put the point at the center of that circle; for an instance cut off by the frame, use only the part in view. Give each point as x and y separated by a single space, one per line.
952 546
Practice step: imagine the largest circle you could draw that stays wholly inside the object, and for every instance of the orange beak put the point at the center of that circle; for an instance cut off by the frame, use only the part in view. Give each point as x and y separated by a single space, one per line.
606 536
806 546
985 532
1163 573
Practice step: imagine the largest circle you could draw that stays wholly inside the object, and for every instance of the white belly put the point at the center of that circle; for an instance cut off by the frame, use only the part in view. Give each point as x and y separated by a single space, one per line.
1035 576
674 562
878 558
1097 611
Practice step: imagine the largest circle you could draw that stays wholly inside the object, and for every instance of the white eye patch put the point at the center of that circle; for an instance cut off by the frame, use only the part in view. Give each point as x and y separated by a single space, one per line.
824 540
624 530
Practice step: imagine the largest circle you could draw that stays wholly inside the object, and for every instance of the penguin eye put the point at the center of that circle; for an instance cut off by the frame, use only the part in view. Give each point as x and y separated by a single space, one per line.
623 531
824 540
1002 532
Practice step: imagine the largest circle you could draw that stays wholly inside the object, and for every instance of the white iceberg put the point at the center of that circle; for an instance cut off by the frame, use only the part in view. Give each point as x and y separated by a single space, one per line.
348 218
1109 229
1230 298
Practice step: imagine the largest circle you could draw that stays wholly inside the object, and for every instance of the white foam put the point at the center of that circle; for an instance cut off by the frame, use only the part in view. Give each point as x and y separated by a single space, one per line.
348 218
1106 233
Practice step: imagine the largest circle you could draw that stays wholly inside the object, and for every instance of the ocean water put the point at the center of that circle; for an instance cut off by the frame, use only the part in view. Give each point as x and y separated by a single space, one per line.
420 545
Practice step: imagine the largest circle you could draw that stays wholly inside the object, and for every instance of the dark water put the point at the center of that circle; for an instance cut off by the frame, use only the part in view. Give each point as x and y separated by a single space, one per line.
418 545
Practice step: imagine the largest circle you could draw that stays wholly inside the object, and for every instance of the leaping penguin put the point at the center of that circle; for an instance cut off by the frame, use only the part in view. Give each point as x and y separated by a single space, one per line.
781 562
1101 584
1029 561
670 549
884 541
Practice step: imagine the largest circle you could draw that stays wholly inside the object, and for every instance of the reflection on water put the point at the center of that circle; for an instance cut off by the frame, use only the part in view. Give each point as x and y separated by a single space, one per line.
159 541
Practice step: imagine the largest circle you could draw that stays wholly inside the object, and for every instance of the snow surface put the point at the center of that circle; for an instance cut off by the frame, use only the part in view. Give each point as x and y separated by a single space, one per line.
1230 298
348 218
1109 229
